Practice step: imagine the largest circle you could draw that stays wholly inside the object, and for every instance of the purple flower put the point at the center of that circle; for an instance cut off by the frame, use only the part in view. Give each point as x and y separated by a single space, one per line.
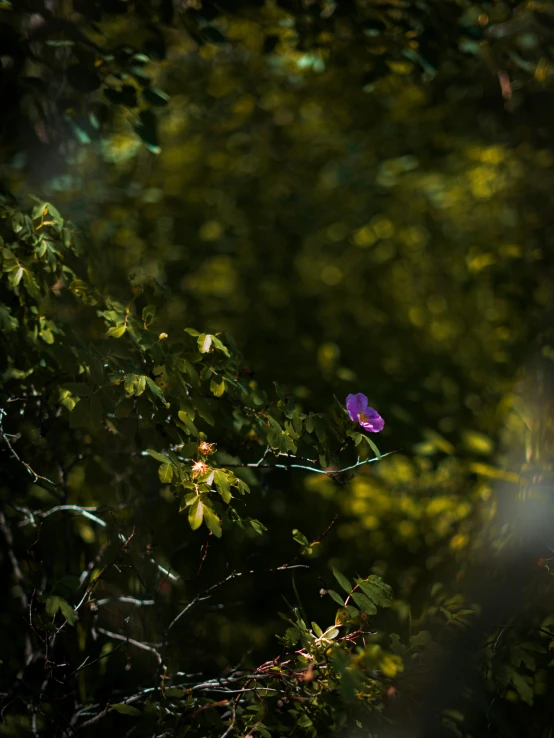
359 412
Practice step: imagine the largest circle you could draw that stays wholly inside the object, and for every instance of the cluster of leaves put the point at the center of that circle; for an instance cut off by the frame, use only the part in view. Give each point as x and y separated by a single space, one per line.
89 381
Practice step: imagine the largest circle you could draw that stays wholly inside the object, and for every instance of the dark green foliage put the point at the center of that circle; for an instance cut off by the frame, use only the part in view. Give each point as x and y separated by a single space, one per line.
358 194
103 377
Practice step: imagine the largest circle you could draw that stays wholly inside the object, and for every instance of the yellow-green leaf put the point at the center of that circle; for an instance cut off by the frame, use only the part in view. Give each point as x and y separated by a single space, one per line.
217 386
212 521
165 472
116 331
223 485
196 514
204 343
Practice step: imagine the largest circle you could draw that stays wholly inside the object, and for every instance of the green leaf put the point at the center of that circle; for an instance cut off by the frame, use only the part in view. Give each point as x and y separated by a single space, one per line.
242 487
523 688
165 473
202 407
364 603
317 630
134 384
331 633
212 521
39 210
356 437
377 591
96 371
174 692
188 425
222 483
124 709
320 430
96 410
279 392
124 407
52 605
67 611
157 455
186 411
188 500
300 538
80 415
343 581
373 447
15 277
260 727
55 603
8 322
148 313
204 342
347 614
116 331
336 596
274 424
220 346
189 369
258 527
79 389
156 391
196 514
217 386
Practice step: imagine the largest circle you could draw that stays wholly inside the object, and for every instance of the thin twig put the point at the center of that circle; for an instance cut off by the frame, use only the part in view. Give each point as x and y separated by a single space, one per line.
123 598
30 470
84 511
333 473
132 642
234 575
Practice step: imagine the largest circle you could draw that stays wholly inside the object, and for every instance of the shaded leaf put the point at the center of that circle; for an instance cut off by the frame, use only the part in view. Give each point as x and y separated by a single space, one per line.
124 709
80 415
156 391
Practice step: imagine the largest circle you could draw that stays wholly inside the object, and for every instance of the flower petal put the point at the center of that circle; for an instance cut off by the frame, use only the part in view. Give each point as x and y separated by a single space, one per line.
356 404
371 421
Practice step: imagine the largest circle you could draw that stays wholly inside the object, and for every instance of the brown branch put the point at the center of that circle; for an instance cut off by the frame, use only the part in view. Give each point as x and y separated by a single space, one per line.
5 437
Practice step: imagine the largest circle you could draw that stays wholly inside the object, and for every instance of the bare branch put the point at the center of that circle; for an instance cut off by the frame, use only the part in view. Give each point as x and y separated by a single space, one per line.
132 642
84 511
6 438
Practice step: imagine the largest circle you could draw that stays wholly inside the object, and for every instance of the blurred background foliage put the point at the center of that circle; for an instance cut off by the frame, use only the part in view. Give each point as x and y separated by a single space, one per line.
361 194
